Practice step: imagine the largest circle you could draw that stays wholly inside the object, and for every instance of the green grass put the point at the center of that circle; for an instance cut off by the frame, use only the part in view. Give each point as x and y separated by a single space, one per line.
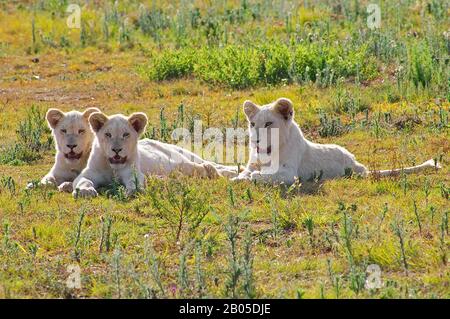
383 94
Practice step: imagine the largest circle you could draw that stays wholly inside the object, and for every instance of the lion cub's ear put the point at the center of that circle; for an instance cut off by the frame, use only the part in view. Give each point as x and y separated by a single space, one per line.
284 107
54 116
89 111
97 120
138 121
250 108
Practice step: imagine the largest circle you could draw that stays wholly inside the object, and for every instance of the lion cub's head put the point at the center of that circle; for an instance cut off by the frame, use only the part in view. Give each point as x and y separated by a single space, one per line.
71 131
264 119
118 135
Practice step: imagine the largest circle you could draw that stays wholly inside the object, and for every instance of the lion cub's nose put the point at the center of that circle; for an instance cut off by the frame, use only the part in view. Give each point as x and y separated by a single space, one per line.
116 150
72 146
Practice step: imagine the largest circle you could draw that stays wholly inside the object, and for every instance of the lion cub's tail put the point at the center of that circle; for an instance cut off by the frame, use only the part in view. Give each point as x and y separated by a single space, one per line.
408 170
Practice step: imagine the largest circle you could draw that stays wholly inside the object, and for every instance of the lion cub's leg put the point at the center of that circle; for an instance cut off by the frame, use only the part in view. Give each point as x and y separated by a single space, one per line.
283 175
84 187
66 187
86 183
246 173
47 181
133 180
205 170
228 172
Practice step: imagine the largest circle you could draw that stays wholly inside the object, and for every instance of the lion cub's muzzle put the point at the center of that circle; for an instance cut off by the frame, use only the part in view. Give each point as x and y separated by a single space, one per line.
117 159
268 150
72 156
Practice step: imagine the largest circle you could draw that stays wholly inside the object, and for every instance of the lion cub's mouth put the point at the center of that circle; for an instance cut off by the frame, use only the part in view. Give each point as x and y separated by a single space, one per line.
268 151
117 159
73 156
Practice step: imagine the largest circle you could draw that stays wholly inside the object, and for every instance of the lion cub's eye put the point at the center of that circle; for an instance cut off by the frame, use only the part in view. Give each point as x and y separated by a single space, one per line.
268 124
252 124
81 131
125 135
108 135
64 131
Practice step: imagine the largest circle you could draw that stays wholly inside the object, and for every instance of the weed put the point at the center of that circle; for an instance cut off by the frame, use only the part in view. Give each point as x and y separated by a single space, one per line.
421 66
77 250
116 271
247 267
416 214
308 223
443 232
179 204
33 138
330 126
199 274
9 183
105 239
399 231
154 266
234 271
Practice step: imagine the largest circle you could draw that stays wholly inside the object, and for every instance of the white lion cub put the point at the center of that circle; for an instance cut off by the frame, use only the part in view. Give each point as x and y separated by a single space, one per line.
73 139
118 154
298 157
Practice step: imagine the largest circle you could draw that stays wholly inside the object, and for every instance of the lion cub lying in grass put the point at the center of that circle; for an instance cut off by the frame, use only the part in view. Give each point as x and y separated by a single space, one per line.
298 157
118 154
73 139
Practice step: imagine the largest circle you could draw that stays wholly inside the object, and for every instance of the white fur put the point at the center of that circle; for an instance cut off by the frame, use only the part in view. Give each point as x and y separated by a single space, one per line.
298 157
72 129
118 153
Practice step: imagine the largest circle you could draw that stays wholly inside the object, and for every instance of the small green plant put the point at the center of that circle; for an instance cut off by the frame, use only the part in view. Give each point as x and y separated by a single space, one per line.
116 271
9 183
416 214
399 230
154 266
335 279
105 239
199 274
77 249
116 191
443 232
420 65
234 271
330 126
8 244
183 276
348 229
172 65
231 195
445 191
308 223
247 266
33 138
179 205
426 190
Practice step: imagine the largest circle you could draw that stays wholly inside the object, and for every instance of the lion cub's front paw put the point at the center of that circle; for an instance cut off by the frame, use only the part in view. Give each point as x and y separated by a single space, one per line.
256 176
229 173
85 192
132 191
32 185
241 178
211 171
66 187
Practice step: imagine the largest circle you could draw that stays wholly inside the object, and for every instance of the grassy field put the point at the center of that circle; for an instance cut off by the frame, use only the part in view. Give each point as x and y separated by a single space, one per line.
383 94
